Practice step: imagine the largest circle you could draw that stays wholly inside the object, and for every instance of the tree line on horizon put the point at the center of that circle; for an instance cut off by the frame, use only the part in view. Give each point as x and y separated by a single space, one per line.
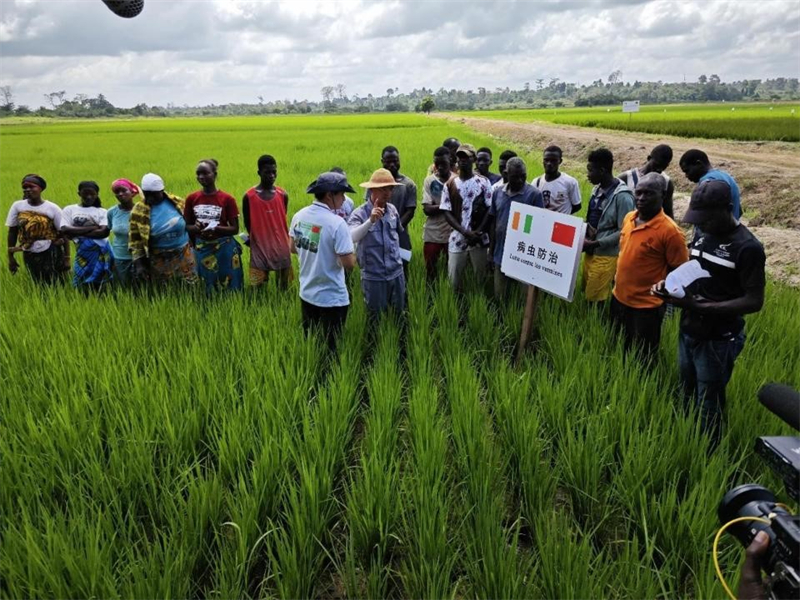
552 93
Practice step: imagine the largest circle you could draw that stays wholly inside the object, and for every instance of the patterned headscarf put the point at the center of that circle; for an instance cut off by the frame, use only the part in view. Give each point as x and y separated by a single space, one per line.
35 180
126 183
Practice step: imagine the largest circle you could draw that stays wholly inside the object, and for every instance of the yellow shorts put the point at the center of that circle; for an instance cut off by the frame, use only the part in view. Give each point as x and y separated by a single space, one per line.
598 276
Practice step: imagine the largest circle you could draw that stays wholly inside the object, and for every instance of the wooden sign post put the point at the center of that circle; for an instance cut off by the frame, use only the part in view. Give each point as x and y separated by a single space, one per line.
527 321
543 250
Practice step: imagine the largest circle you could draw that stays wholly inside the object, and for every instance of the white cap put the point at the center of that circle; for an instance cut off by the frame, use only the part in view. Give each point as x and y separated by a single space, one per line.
152 183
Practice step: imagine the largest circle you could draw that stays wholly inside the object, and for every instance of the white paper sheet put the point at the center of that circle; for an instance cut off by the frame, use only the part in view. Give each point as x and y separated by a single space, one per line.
682 277
405 255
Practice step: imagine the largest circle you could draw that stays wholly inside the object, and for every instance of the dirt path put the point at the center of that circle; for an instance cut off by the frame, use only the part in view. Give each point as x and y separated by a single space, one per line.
768 174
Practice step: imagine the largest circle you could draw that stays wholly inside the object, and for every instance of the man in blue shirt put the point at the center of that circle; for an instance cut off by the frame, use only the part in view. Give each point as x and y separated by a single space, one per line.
515 190
696 166
376 227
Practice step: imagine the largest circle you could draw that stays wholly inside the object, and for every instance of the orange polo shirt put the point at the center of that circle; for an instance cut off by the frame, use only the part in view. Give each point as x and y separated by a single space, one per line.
646 253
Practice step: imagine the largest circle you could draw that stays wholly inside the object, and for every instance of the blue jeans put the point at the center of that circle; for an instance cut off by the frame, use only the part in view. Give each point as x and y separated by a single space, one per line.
705 368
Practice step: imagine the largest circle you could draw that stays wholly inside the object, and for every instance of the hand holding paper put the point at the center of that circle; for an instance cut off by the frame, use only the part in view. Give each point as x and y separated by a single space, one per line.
682 277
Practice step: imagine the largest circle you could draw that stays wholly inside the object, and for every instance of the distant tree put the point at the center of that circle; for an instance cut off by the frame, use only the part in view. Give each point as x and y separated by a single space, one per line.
260 100
615 77
100 104
22 110
8 98
539 84
527 86
327 93
427 104
340 89
714 79
553 82
55 99
389 92
702 80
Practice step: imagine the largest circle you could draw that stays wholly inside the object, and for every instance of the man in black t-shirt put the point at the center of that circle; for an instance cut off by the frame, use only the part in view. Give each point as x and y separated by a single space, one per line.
712 323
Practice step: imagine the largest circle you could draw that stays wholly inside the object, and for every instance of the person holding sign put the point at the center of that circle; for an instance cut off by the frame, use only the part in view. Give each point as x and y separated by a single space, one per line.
465 201
650 245
376 227
516 190
611 201
322 242
712 320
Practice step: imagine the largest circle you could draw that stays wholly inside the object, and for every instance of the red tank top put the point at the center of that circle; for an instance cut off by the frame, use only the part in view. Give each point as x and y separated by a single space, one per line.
269 233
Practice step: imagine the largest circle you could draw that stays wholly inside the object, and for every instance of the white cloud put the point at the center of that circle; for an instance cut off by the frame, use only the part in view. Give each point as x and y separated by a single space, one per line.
218 51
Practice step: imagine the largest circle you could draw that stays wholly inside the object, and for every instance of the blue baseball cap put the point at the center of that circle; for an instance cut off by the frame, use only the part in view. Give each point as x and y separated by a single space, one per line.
329 181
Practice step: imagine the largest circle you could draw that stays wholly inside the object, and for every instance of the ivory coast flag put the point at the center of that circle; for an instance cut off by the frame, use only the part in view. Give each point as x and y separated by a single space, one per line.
562 233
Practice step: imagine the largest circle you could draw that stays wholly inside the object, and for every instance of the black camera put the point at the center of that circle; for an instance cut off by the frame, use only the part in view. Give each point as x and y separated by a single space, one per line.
782 560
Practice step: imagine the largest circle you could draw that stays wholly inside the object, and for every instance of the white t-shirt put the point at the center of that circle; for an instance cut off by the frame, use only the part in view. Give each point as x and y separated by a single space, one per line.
559 195
19 215
76 215
320 237
632 177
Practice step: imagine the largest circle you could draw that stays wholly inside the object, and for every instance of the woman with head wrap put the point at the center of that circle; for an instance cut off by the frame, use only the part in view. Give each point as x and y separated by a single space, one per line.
157 239
119 220
212 219
86 224
33 229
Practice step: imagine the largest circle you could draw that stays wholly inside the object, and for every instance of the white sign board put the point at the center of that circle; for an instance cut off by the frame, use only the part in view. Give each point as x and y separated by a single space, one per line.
630 106
543 248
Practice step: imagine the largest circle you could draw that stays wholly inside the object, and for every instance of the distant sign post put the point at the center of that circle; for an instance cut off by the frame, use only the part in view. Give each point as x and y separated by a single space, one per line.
543 249
630 106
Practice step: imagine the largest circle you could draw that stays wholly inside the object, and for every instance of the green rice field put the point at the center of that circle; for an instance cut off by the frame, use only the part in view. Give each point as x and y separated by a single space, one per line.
185 447
746 121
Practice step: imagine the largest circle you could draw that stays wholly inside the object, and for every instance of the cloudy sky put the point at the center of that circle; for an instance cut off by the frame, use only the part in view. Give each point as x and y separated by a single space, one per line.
216 51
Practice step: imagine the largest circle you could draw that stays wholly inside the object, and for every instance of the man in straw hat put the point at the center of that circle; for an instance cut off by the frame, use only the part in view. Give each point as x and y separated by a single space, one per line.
376 228
324 248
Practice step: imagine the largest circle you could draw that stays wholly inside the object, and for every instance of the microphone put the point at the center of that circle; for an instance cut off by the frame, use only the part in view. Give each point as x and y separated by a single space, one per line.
125 8
782 401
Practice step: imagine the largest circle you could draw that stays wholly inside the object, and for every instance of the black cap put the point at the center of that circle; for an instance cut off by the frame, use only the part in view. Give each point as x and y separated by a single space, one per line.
711 194
329 181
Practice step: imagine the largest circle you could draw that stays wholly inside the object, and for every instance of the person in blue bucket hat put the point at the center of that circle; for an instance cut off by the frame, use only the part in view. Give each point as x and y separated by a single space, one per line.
324 248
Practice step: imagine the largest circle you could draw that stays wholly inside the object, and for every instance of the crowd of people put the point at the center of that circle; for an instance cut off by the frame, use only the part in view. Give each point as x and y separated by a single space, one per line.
154 238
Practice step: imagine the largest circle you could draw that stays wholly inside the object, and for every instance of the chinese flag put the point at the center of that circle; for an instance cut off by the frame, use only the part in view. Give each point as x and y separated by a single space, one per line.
563 234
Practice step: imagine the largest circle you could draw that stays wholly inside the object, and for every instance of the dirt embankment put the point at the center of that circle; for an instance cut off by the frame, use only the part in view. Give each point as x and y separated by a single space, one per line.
768 174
